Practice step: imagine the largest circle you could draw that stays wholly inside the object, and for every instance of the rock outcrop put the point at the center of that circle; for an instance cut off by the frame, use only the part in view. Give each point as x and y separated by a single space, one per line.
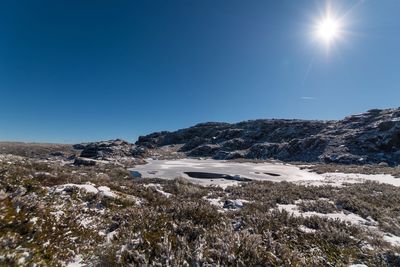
372 137
106 149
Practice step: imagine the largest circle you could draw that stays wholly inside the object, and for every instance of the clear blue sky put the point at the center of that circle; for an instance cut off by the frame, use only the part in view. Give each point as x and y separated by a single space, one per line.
80 70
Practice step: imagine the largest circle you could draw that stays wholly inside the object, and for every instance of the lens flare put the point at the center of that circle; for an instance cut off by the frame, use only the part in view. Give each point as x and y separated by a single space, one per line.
328 29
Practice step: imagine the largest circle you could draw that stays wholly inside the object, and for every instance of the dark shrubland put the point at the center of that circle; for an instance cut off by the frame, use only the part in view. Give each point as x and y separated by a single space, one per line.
175 223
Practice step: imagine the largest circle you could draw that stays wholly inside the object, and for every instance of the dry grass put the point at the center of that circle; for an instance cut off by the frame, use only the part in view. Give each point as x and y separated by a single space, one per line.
184 229
35 150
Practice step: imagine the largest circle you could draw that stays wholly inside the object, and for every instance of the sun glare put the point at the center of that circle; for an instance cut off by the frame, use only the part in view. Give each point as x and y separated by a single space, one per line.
328 29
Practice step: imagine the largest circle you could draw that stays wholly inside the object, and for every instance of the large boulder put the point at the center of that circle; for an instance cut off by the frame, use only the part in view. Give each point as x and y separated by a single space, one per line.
84 162
108 149
204 151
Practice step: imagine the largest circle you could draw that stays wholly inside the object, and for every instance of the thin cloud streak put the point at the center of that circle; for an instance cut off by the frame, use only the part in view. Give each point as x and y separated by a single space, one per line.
308 98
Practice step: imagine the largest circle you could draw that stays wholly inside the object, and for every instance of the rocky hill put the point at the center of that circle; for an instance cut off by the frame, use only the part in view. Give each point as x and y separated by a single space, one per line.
372 137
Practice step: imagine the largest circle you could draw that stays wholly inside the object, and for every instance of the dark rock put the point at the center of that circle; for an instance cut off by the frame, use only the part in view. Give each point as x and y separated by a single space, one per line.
368 138
236 155
57 154
233 204
204 151
84 162
236 144
79 146
383 164
110 149
138 151
71 157
193 143
386 125
229 134
221 155
151 140
204 130
226 155
264 150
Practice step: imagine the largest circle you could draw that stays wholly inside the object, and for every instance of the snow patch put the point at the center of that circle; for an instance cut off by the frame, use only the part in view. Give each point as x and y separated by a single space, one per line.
215 201
88 188
24 257
158 188
110 236
57 214
86 222
392 239
349 217
106 191
306 230
76 262
34 220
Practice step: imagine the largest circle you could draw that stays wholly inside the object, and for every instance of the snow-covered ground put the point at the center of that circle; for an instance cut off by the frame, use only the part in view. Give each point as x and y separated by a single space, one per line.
88 188
277 172
347 216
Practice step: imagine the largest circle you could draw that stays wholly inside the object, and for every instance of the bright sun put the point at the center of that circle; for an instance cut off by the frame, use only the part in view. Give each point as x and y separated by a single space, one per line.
331 27
328 29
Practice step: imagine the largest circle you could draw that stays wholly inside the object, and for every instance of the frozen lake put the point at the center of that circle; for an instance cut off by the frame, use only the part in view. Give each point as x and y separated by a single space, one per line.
226 173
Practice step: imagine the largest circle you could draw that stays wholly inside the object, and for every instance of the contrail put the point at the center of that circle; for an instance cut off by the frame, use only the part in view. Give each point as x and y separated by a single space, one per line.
308 70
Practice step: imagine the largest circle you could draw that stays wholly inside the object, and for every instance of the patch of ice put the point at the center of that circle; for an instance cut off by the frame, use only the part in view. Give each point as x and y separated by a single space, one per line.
24 256
110 236
76 262
360 178
158 188
106 191
86 222
233 204
89 188
223 206
215 201
57 214
67 233
34 220
392 239
395 119
339 179
135 199
306 230
350 217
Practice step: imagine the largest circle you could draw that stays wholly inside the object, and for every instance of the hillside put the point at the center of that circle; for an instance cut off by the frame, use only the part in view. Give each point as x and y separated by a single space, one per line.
372 137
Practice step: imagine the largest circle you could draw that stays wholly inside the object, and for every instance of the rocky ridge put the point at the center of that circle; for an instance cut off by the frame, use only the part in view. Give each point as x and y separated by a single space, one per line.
372 137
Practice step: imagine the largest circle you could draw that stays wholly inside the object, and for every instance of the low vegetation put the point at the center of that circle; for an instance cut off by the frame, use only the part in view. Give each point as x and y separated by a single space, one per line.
53 214
363 169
